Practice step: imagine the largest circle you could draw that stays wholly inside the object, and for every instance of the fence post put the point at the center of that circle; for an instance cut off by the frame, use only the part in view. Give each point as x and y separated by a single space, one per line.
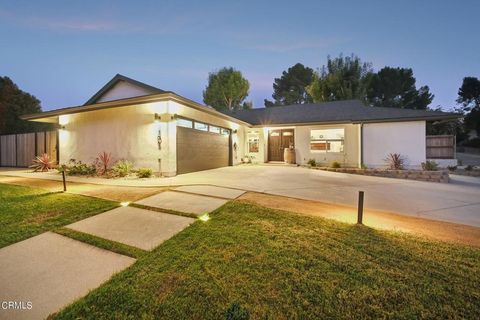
360 207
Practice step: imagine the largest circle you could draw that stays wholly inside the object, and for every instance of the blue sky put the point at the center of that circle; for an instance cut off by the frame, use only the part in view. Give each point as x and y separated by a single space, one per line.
64 51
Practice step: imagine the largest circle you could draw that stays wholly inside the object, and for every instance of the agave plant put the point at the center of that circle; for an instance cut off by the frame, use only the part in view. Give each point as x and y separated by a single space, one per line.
103 161
42 163
395 161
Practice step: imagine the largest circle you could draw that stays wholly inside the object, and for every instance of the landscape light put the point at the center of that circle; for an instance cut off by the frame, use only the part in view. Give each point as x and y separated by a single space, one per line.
205 217
125 203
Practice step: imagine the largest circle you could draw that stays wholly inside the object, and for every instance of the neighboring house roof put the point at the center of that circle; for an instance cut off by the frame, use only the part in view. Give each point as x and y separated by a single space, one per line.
348 111
147 89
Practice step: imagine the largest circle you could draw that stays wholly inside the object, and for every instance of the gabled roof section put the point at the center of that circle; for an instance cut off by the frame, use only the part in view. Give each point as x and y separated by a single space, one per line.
122 87
347 111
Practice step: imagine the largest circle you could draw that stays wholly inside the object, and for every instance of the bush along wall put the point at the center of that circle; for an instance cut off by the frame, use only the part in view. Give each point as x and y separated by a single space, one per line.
420 175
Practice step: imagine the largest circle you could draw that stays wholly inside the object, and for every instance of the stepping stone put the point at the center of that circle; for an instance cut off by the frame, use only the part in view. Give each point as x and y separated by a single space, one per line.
51 271
136 227
183 202
214 191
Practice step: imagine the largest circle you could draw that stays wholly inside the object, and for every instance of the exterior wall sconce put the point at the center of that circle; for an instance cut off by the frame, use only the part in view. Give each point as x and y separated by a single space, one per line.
235 131
157 117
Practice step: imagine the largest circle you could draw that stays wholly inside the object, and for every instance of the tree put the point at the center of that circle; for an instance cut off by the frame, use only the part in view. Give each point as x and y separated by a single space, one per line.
290 87
469 97
342 78
455 127
395 87
14 103
226 90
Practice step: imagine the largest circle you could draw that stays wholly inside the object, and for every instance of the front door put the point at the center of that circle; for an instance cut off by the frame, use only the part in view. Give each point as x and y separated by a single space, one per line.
278 140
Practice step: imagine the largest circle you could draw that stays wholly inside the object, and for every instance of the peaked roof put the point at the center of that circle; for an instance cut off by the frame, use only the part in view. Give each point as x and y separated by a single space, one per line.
347 111
117 78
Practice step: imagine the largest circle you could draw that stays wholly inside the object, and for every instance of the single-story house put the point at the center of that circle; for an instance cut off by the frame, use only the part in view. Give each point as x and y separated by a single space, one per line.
174 135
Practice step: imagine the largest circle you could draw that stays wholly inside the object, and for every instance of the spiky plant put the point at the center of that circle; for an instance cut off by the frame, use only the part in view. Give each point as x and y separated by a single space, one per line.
103 161
395 161
42 163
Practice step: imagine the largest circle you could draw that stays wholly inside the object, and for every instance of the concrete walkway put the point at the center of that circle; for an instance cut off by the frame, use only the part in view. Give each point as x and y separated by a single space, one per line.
51 271
136 227
456 202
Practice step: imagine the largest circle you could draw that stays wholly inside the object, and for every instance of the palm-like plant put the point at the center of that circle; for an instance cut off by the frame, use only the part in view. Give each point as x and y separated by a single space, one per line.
42 163
395 161
103 161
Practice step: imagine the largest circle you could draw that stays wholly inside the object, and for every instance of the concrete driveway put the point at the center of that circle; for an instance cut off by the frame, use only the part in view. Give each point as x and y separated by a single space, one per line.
457 202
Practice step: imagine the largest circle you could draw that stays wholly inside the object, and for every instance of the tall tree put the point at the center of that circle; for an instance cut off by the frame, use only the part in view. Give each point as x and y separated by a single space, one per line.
469 97
290 87
226 90
395 87
342 78
14 103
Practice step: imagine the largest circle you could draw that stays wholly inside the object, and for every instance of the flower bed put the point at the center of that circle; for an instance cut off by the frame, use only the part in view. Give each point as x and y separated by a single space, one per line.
421 175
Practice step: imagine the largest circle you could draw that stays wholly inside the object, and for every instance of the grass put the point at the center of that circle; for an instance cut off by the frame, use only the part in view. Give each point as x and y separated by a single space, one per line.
279 265
26 212
101 242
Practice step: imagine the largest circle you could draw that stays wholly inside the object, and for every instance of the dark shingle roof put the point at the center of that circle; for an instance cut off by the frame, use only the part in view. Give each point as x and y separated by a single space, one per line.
334 112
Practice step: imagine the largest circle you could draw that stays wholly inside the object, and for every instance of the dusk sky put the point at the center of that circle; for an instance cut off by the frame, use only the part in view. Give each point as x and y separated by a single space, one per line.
64 51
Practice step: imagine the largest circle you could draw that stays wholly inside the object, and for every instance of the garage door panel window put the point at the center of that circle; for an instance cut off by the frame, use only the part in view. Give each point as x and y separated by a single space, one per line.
185 123
327 140
214 129
201 126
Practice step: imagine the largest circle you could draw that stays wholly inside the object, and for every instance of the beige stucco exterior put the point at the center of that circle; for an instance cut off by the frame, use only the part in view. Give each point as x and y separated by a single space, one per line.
404 138
130 132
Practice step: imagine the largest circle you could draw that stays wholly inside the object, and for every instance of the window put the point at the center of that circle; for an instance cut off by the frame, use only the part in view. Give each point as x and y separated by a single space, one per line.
184 123
225 132
214 129
327 140
201 126
253 144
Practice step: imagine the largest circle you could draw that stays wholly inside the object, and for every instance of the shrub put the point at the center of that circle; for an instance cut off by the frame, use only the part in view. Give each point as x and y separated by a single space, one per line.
103 161
42 163
429 165
144 173
452 168
236 312
122 168
335 164
469 168
78 168
395 161
474 143
312 162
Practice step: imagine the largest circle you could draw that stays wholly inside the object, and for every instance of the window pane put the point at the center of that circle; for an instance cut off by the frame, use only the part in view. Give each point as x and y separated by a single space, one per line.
201 126
287 134
274 134
225 132
184 123
253 144
328 140
214 129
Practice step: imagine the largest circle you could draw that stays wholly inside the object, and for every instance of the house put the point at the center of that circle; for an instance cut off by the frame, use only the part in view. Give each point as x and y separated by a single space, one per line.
174 135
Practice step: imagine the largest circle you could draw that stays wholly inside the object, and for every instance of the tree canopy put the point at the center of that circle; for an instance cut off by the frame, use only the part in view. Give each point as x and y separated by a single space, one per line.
395 87
14 103
290 88
226 90
469 97
343 78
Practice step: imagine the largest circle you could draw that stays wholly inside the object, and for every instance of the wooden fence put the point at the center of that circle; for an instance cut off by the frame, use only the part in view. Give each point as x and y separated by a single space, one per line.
441 147
18 150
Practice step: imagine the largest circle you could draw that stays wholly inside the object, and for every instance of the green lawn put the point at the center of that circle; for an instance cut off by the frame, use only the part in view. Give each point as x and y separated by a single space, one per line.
26 212
279 265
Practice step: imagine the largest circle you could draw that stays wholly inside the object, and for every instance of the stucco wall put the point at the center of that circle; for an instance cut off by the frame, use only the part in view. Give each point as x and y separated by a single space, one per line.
349 157
123 90
131 133
405 138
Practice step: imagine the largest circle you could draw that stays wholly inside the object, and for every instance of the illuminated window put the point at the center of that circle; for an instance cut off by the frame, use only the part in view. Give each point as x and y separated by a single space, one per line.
327 140
214 129
253 144
225 132
201 126
184 123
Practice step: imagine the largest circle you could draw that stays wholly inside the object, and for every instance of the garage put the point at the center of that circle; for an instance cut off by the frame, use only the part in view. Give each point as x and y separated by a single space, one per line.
201 146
